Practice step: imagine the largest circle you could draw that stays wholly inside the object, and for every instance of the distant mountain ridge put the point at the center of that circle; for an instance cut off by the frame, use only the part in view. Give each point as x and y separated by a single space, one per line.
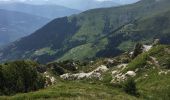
50 11
81 5
16 18
91 4
14 25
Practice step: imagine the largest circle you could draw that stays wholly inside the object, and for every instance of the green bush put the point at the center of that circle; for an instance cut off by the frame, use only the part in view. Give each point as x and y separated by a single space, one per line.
166 63
1 80
20 76
56 69
61 67
139 62
130 87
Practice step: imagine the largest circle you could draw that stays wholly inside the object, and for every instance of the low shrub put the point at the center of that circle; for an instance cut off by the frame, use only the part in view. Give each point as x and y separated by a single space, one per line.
20 76
130 87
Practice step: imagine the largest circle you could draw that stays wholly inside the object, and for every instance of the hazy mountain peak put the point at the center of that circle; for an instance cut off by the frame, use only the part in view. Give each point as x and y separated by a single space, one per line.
77 4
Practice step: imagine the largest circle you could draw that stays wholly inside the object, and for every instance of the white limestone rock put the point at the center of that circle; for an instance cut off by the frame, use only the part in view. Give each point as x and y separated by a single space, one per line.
101 69
146 48
131 73
78 76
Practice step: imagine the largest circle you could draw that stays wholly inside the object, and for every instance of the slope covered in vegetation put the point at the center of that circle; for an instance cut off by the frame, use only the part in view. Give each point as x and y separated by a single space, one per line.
94 31
141 78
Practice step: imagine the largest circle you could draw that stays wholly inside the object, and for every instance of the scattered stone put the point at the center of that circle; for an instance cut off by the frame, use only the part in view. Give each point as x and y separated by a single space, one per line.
137 69
131 53
156 42
101 68
146 75
91 61
131 73
163 72
96 76
65 76
118 77
50 80
110 61
122 66
114 72
146 48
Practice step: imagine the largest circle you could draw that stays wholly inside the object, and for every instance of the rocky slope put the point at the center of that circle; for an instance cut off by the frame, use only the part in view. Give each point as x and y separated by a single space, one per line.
149 70
145 76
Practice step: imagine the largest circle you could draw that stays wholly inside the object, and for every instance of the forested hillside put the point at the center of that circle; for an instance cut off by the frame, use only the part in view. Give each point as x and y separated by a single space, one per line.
93 33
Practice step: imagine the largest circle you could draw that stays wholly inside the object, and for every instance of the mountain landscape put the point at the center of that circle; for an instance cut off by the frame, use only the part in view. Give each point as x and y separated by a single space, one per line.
20 19
88 4
81 5
90 31
49 11
120 53
14 25
118 78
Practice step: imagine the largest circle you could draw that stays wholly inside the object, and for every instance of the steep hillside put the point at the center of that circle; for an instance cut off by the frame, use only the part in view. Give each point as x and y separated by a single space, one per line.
153 71
47 10
14 25
121 78
97 32
145 29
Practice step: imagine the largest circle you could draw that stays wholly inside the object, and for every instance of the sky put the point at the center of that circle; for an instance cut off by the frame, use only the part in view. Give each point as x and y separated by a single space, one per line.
64 1
121 1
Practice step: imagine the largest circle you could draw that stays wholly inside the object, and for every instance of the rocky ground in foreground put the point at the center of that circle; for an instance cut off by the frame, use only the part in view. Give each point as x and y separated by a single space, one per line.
141 74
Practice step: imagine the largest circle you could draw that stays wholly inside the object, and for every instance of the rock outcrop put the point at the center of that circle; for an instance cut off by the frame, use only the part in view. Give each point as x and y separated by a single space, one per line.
138 49
118 76
95 74
49 80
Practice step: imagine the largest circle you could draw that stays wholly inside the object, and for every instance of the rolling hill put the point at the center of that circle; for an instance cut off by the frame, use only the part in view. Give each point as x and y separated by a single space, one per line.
104 32
14 25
